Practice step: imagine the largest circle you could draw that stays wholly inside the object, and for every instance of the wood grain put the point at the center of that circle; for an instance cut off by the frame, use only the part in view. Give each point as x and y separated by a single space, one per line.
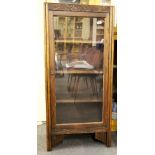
106 64
77 8
47 83
79 14
110 76
52 69
78 130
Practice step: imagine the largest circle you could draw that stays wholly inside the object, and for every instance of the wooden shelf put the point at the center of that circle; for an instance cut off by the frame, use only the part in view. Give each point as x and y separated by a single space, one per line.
77 41
79 71
72 101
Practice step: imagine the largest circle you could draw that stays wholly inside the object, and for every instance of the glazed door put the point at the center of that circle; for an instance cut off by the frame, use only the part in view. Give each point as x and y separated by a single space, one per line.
78 68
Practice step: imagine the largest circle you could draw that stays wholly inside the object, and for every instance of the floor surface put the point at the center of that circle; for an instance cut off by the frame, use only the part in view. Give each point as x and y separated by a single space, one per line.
75 145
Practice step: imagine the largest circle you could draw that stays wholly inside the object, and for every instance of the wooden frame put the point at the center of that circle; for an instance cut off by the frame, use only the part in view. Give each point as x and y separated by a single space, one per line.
102 129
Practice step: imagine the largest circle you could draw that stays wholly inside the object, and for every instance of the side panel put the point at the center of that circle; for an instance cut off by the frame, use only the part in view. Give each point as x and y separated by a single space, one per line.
106 77
47 82
110 81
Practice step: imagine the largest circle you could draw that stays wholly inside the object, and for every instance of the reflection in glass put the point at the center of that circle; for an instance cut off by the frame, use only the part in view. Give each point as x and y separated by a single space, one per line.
79 43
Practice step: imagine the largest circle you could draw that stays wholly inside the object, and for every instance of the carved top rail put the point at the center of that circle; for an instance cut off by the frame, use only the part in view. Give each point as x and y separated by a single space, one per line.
78 8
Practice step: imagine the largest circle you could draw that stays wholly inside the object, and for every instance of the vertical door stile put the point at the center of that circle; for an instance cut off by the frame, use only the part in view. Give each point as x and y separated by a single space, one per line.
52 70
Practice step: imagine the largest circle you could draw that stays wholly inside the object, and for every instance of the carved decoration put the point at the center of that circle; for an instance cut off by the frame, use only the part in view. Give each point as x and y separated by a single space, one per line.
77 8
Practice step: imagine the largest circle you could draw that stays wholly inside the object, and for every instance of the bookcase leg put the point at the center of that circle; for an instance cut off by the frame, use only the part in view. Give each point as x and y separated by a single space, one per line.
49 143
54 140
101 136
104 137
108 141
57 139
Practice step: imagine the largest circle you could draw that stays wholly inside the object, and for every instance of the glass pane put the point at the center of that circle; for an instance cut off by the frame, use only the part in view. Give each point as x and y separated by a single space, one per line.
79 45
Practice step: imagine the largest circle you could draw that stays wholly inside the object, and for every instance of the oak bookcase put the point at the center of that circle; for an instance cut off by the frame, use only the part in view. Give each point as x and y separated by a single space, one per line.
79 71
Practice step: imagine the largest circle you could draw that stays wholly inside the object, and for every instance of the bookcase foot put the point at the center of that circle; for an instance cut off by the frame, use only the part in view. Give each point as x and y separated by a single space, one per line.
57 139
53 141
104 137
49 143
101 136
108 141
